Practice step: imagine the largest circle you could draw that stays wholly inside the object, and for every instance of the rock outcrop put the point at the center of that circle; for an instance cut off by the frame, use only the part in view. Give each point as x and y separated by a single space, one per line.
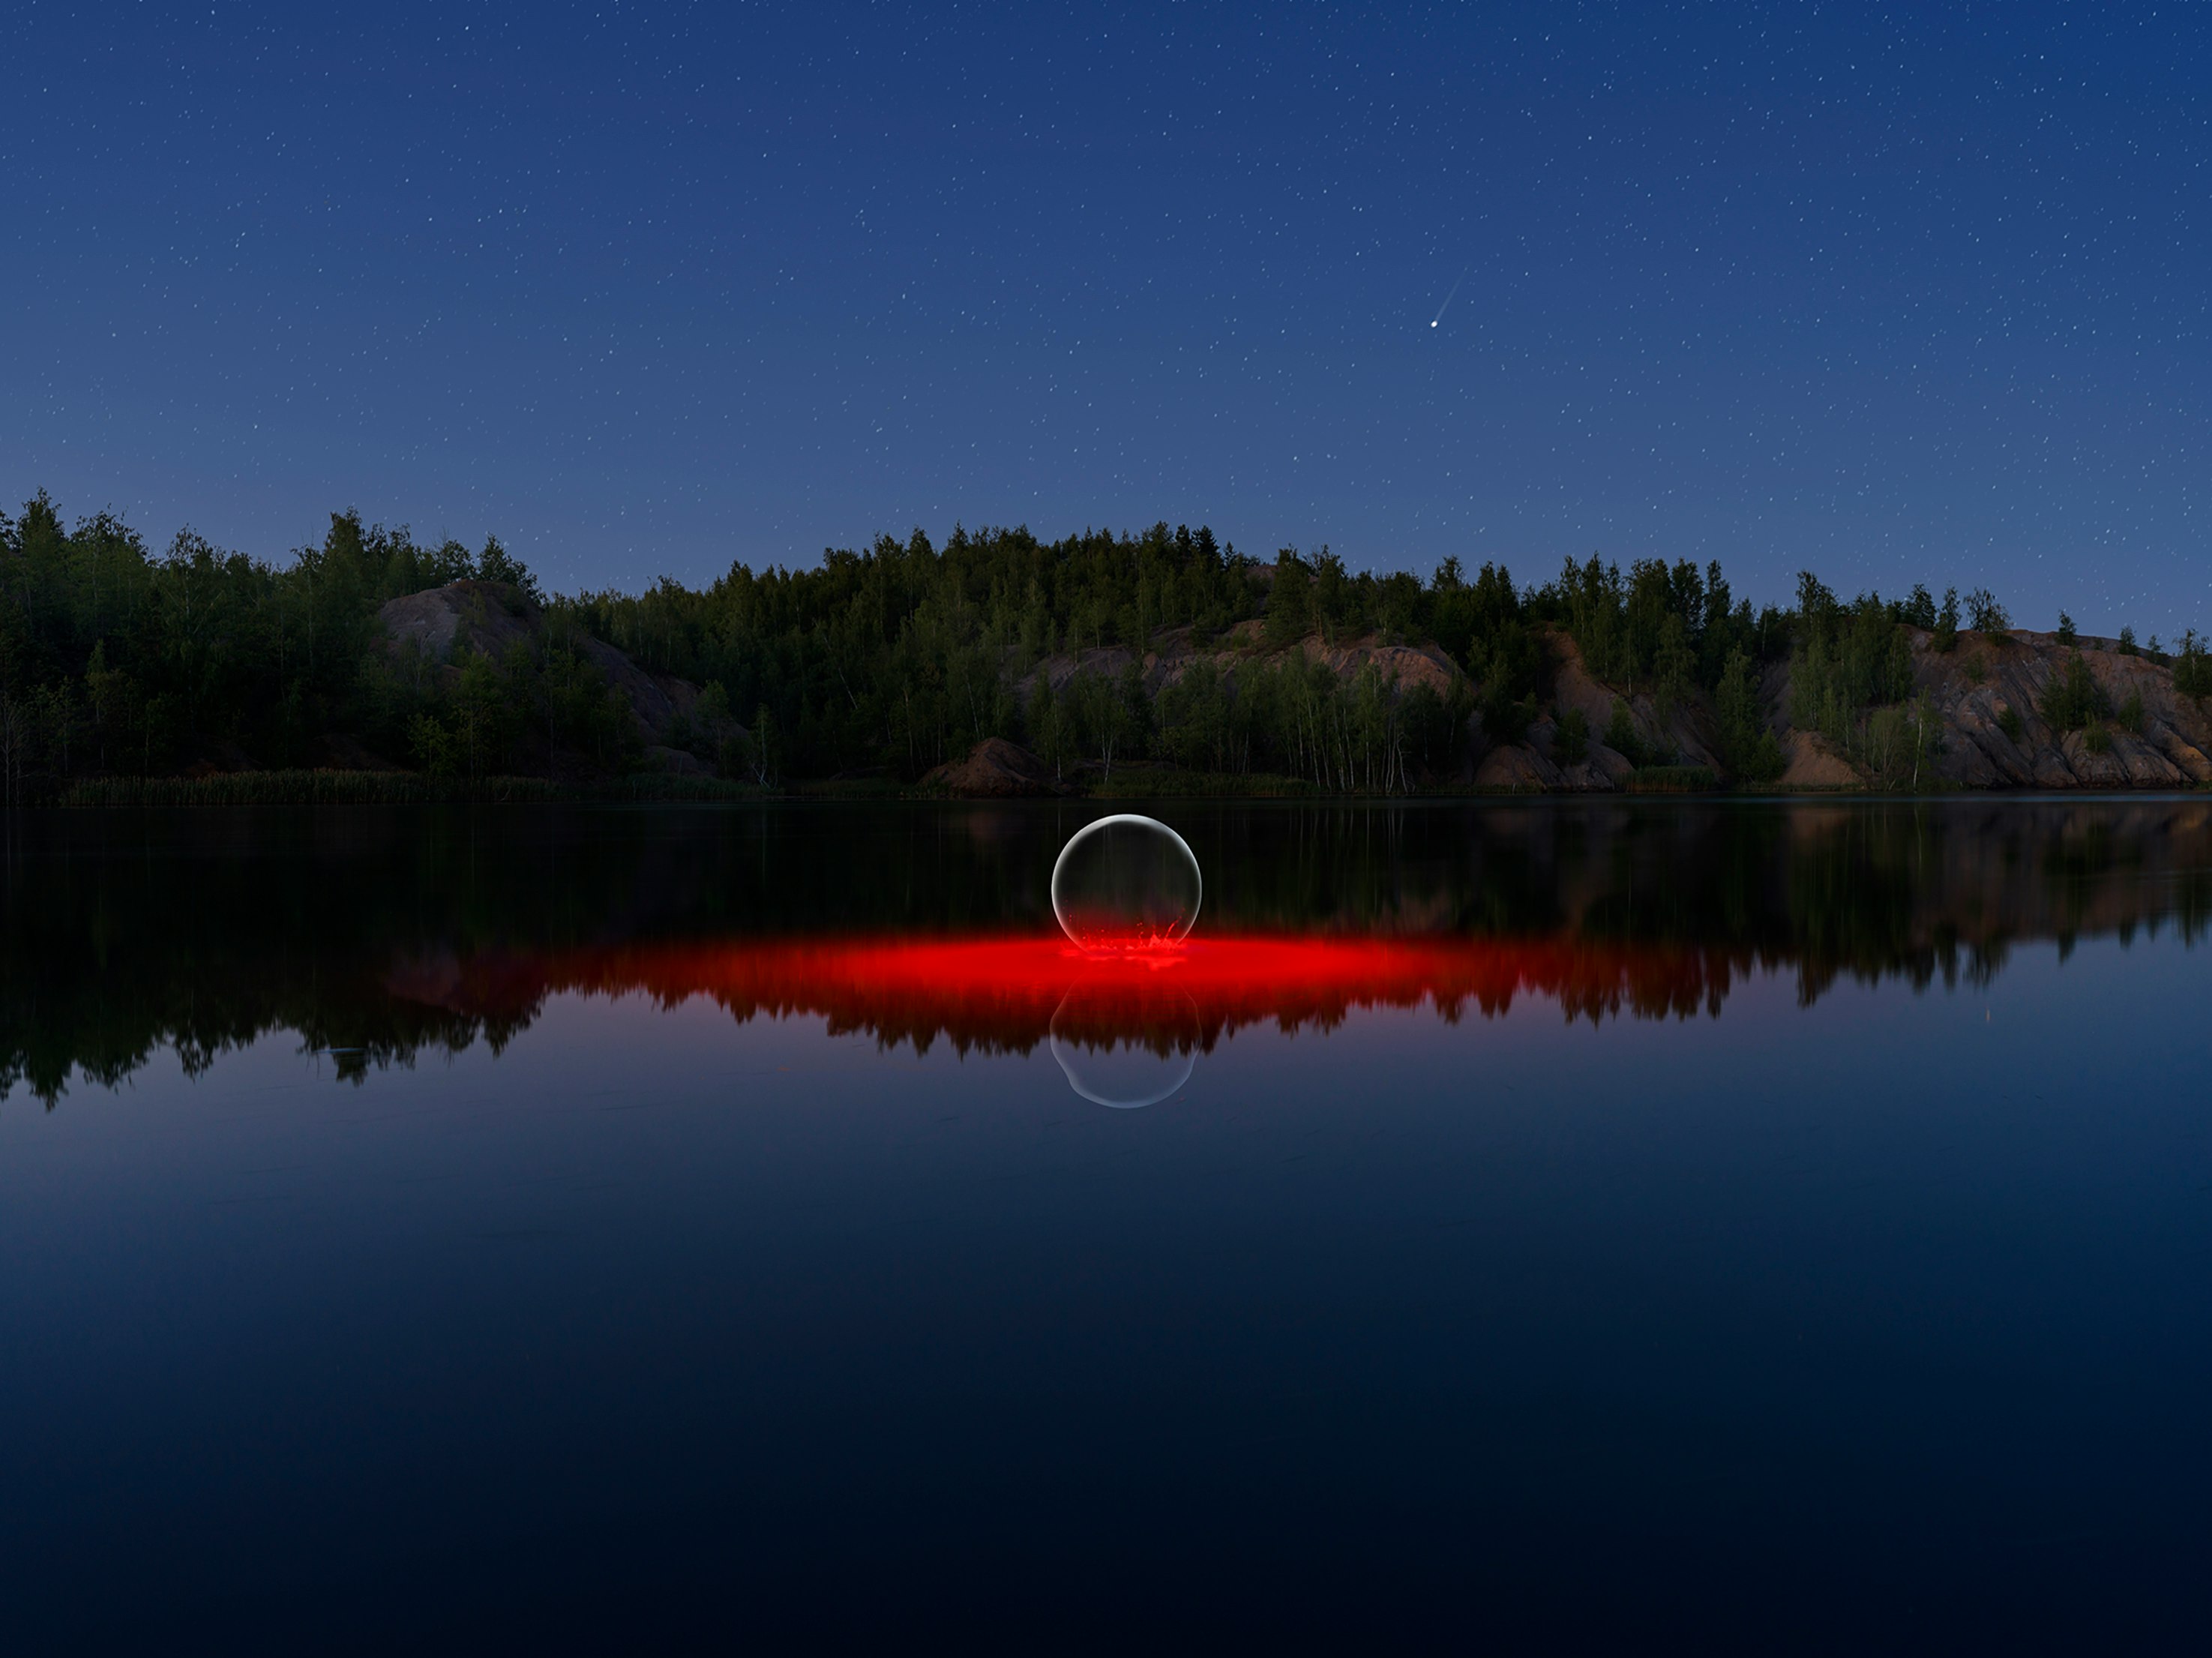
1988 692
1810 761
995 770
1985 678
490 617
1172 654
1988 695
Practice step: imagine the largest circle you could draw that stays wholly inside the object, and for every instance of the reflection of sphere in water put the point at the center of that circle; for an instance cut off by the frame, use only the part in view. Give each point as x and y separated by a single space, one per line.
1126 883
1124 1052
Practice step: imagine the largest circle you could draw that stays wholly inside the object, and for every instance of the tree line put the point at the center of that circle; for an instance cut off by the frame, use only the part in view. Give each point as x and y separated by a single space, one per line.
116 660
890 660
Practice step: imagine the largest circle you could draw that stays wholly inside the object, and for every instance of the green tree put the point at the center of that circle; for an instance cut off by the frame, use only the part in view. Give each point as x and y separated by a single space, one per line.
1572 744
1194 719
1947 622
1849 660
1748 749
1623 738
2192 666
1290 600
496 564
2074 698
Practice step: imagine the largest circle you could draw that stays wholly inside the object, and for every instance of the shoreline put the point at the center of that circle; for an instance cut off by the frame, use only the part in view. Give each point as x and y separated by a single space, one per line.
385 789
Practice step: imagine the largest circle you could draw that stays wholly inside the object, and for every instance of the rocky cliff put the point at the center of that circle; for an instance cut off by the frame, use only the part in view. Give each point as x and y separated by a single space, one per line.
1988 694
1985 677
1172 654
489 618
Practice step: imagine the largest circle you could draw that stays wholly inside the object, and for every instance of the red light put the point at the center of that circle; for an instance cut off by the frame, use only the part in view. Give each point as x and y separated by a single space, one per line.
1005 993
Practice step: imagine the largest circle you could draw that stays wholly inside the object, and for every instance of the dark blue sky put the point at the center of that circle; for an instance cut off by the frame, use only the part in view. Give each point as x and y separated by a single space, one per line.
1913 292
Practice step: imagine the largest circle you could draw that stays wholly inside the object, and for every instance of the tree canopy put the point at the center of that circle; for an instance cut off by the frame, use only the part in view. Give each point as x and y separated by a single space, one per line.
894 658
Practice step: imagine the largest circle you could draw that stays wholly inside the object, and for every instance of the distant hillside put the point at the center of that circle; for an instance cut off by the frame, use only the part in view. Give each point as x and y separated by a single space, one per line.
1097 661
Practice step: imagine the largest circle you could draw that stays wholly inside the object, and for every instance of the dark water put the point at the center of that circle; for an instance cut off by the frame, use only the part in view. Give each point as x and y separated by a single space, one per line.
1786 1228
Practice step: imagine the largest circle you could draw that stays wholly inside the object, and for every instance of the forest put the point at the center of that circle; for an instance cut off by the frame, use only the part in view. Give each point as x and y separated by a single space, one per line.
883 663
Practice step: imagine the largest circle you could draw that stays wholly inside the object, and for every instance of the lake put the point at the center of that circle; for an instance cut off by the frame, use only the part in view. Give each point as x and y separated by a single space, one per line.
1519 1224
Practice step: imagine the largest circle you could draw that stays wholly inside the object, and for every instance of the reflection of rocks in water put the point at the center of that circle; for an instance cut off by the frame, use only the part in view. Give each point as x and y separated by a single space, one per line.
397 931
1109 1067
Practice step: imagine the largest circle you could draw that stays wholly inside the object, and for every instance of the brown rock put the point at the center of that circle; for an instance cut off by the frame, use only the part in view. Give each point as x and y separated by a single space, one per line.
1573 688
1615 767
1812 761
2051 771
1171 655
675 763
1972 686
490 617
1599 771
995 770
1410 665
1517 766
1683 733
2188 759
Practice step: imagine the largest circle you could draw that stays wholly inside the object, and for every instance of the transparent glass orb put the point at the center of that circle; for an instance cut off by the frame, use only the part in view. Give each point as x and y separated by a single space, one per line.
1124 883
1122 1053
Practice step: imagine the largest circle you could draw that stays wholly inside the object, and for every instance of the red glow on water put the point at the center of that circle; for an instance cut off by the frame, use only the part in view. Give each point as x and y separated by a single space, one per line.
1012 991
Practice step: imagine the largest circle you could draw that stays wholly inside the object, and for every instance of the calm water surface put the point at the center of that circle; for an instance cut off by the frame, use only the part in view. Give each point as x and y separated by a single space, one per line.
1784 1226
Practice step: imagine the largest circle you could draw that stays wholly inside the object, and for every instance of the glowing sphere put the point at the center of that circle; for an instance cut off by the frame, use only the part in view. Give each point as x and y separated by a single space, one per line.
1125 884
1107 1067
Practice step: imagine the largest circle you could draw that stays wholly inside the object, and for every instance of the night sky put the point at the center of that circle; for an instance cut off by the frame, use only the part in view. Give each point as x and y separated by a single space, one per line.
1913 293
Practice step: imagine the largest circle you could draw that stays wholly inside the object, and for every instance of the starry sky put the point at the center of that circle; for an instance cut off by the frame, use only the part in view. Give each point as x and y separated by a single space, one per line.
1913 292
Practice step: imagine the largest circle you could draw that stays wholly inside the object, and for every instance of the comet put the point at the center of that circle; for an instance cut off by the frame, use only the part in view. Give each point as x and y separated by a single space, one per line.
1439 317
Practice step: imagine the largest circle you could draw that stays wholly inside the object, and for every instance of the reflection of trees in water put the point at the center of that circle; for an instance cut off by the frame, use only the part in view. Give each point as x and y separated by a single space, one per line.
1006 995
125 933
